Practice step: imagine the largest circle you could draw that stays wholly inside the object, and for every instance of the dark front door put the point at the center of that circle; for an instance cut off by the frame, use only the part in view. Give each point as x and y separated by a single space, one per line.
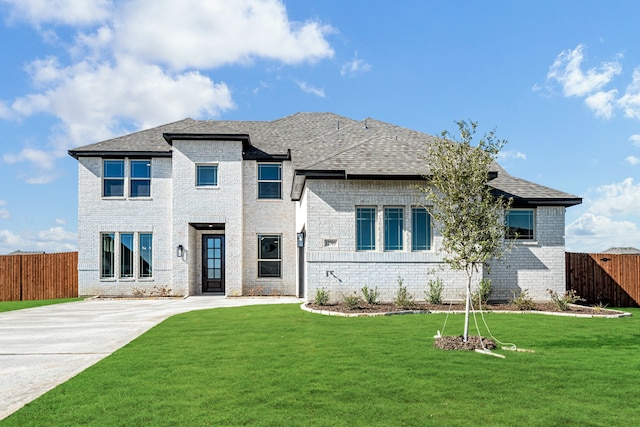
213 263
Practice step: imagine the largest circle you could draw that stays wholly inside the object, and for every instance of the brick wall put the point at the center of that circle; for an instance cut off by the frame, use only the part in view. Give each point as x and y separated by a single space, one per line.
219 205
97 215
334 264
268 217
537 265
340 269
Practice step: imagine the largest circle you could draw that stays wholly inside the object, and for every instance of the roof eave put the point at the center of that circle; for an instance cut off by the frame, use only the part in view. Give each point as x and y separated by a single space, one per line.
118 154
170 137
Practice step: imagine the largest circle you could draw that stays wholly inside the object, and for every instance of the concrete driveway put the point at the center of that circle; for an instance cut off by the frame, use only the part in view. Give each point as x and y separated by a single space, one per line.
45 346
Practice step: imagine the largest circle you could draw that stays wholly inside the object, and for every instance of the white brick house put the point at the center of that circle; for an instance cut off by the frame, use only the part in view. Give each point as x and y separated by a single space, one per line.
285 207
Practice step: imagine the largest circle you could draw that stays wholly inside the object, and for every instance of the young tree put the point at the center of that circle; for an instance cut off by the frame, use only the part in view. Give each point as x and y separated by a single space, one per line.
464 210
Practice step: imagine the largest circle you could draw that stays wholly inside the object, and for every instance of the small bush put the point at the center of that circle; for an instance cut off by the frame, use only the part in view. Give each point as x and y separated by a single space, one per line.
162 291
138 292
562 302
370 295
434 296
599 307
481 296
523 301
403 298
352 301
322 296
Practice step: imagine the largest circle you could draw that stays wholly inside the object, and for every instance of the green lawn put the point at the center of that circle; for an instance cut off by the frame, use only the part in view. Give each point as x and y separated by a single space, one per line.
19 305
280 366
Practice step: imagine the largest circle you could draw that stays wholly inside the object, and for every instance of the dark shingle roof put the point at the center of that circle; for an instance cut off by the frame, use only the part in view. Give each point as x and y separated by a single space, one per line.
325 142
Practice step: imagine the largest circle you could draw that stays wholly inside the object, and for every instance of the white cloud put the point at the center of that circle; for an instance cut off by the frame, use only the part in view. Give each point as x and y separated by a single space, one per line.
41 159
94 102
55 239
630 101
305 87
81 12
56 234
616 199
610 218
635 139
595 233
602 103
510 154
136 67
632 160
355 66
207 34
567 70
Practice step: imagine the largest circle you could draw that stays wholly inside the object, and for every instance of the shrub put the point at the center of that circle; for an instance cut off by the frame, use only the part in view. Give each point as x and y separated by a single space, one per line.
322 296
562 302
481 296
403 298
370 295
523 301
162 291
434 296
352 301
138 292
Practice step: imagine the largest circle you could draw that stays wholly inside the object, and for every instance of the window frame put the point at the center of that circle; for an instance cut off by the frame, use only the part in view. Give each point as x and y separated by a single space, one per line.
370 228
118 263
262 181
142 272
417 246
126 255
528 237
107 256
107 177
135 180
207 165
262 261
395 233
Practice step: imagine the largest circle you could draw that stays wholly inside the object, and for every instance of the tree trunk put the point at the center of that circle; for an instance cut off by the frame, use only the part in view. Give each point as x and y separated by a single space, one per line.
467 309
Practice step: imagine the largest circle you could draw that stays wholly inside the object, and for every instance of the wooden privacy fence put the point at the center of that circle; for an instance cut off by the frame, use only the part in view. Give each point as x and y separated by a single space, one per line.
38 276
610 279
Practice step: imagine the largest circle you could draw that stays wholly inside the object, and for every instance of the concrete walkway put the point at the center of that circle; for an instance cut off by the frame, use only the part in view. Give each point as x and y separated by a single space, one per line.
45 346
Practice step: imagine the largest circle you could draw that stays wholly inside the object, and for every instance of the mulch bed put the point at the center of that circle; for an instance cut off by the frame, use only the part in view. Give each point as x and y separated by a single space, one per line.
392 308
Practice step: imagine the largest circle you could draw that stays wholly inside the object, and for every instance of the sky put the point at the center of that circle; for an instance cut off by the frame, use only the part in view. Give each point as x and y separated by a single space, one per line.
559 80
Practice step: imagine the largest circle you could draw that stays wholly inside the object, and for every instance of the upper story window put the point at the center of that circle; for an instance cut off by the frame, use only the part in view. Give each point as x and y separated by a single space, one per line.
393 226
206 175
269 181
420 229
117 171
140 182
520 224
113 181
366 229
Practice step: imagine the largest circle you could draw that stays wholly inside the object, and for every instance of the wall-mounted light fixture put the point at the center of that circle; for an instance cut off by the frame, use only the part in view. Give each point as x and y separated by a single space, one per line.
180 251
